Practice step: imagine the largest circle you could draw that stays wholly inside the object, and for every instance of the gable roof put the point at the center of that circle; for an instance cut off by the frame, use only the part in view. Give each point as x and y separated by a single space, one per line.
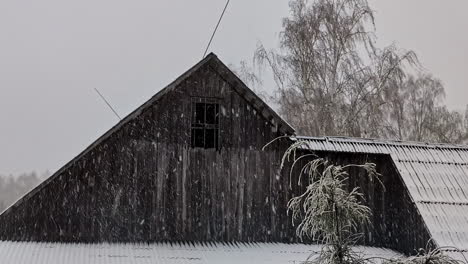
244 91
220 68
436 176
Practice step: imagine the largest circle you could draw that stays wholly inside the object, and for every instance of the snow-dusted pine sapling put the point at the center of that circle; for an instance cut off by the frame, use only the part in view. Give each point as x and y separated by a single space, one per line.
327 212
431 256
330 214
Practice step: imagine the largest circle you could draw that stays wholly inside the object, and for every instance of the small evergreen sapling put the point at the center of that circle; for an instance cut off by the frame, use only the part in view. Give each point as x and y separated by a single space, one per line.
330 214
327 212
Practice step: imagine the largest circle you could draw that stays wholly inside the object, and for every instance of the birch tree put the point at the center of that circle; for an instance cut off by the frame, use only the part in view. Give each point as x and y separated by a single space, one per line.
330 75
418 112
333 80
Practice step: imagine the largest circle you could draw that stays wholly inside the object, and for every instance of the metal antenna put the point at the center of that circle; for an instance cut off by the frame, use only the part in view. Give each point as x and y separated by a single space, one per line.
110 106
216 28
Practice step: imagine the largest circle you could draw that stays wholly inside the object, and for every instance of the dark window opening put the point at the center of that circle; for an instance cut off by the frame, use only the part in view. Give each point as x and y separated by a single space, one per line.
205 123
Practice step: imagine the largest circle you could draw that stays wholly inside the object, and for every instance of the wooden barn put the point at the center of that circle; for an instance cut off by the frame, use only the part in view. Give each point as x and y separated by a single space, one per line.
184 179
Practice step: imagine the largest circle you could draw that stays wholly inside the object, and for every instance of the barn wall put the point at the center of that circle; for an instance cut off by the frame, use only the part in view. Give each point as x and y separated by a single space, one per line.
145 183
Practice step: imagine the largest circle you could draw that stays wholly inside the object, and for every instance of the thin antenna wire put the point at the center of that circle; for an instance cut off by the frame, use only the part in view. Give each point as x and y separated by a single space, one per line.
214 32
110 106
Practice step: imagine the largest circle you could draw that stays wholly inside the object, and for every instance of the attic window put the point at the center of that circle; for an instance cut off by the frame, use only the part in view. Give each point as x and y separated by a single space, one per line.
205 123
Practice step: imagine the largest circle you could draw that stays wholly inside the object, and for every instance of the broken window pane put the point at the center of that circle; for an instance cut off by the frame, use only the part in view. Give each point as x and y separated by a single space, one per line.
211 114
198 138
199 113
210 138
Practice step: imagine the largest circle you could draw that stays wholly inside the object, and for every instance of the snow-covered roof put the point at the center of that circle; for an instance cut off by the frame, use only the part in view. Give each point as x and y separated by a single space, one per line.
175 253
436 176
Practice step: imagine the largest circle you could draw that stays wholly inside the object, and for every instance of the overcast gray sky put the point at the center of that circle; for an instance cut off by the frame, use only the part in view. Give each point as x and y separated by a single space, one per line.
54 52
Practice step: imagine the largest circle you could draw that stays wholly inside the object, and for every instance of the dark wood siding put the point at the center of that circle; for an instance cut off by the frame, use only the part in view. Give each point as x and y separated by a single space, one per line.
396 222
145 183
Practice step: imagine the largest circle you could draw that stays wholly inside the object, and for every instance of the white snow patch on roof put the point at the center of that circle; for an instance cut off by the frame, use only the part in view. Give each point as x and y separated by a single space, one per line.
168 253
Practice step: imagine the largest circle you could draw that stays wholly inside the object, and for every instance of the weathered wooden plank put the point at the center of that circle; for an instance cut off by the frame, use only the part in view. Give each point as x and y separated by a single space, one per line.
146 183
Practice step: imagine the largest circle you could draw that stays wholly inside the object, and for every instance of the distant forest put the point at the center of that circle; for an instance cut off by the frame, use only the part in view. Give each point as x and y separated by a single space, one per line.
14 187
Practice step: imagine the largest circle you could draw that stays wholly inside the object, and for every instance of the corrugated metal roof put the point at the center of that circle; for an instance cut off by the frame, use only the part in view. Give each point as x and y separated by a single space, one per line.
461 256
212 253
436 176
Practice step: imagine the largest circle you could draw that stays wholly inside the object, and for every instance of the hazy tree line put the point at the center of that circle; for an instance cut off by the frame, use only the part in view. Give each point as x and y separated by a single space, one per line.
13 187
333 80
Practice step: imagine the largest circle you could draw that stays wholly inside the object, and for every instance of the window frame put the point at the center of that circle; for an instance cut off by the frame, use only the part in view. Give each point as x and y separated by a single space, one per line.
205 126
